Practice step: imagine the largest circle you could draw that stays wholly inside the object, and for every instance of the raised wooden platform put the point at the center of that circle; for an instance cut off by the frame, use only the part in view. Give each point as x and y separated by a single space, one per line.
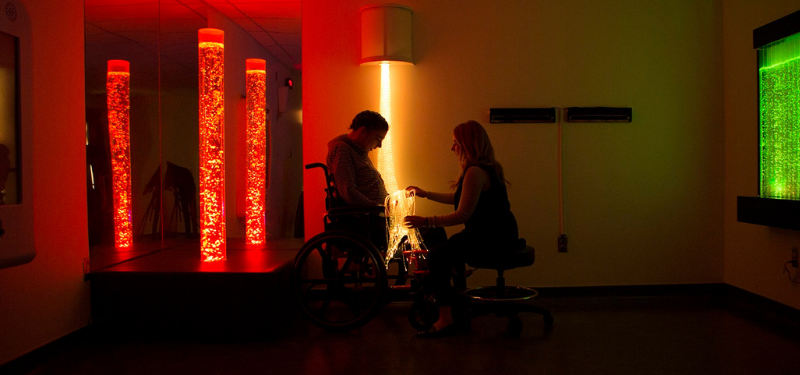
171 293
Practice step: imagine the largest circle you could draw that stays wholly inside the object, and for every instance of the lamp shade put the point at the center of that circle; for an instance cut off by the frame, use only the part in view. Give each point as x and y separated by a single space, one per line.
386 34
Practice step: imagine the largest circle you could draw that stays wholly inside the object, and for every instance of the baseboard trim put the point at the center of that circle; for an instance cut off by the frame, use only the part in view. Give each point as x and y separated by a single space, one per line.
778 317
781 318
632 290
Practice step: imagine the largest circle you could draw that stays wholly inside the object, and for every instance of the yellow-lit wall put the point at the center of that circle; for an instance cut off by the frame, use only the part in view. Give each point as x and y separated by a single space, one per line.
47 298
643 200
754 255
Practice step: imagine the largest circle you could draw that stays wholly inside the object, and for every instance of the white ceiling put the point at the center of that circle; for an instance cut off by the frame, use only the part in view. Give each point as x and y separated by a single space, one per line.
144 25
275 24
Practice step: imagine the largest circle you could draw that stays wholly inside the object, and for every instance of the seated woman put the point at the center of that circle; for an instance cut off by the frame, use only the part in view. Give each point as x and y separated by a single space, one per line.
481 204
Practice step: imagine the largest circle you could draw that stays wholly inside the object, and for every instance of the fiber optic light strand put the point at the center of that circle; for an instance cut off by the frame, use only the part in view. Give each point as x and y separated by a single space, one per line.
256 151
399 205
118 91
212 145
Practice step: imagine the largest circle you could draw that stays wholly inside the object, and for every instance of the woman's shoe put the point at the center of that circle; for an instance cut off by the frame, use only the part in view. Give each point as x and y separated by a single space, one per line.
448 330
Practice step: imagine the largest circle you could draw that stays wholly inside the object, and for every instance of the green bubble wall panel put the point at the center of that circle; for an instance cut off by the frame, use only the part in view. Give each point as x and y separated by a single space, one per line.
779 118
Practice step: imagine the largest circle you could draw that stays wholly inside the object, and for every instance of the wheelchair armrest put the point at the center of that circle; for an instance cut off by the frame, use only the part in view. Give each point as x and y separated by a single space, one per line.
344 211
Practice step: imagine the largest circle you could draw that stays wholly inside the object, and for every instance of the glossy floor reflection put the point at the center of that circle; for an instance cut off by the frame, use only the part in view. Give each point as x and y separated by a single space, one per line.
609 335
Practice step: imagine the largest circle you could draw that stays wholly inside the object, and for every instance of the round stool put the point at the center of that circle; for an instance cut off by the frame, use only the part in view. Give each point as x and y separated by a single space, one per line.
502 300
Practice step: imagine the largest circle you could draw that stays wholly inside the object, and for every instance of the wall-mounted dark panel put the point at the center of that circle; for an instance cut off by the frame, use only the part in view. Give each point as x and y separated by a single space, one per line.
506 115
779 213
776 30
599 114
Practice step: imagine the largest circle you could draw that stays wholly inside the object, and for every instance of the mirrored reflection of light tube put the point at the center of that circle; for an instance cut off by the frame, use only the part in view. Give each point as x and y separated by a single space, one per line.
385 159
256 81
212 145
118 92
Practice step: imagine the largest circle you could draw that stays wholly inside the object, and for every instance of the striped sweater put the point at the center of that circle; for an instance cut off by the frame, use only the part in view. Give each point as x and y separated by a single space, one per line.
357 181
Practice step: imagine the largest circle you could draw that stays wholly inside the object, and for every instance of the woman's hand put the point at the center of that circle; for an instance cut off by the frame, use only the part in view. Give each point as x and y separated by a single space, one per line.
417 191
416 221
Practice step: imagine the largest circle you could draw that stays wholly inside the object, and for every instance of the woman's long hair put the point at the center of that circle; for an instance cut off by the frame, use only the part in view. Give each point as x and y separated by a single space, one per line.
476 150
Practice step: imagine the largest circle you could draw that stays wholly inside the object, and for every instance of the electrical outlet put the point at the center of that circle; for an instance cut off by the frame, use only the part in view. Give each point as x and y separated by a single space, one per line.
794 257
562 243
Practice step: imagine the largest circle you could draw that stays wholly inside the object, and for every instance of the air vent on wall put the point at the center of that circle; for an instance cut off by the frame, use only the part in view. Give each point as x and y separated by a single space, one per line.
598 114
508 115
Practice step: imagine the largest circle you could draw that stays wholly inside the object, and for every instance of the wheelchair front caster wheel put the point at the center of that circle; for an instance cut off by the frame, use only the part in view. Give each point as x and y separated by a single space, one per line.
423 314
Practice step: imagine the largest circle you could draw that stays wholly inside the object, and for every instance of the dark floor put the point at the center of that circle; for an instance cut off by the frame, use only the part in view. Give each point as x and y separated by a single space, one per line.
599 335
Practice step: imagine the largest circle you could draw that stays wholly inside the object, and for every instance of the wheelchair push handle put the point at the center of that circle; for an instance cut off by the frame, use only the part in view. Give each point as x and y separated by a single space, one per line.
318 165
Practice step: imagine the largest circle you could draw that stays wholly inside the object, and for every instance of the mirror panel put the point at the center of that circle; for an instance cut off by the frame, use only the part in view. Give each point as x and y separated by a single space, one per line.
122 31
180 22
9 120
159 39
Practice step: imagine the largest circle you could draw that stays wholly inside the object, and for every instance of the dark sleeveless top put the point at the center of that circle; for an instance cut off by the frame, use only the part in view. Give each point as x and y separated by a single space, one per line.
492 221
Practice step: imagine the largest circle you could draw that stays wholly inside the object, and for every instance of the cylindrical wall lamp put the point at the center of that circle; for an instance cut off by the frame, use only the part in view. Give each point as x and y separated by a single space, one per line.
257 140
386 34
385 39
118 92
212 144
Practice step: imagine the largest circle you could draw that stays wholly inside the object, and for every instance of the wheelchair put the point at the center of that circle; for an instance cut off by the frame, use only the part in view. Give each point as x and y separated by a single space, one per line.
340 277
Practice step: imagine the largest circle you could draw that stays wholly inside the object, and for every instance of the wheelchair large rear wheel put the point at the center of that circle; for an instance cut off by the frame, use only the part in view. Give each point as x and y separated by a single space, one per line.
339 280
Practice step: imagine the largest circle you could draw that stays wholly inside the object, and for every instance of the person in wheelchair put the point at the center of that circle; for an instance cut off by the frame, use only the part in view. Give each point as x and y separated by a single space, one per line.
481 204
358 183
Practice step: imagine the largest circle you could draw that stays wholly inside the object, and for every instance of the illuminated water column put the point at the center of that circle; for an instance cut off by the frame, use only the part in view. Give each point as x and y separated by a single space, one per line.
118 91
779 117
212 145
386 38
385 158
256 151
